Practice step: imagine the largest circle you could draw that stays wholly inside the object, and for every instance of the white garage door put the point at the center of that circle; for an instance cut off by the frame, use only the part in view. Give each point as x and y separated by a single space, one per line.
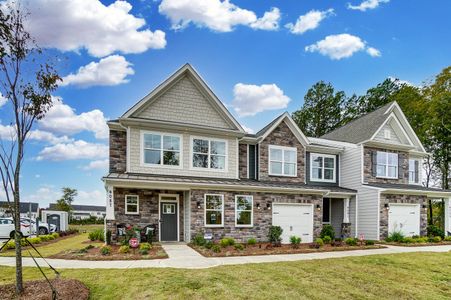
295 219
404 218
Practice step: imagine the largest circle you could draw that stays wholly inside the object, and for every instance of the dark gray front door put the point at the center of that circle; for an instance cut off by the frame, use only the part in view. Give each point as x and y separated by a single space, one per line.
54 220
168 221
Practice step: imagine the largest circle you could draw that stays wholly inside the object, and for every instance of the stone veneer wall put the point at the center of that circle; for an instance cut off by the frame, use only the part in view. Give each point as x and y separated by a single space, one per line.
413 199
262 217
118 151
403 157
148 209
281 136
242 165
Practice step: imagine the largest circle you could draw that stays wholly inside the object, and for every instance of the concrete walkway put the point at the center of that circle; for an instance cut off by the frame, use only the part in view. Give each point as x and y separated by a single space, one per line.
183 257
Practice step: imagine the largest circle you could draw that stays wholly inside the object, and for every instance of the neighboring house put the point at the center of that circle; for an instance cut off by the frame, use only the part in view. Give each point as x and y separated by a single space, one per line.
81 212
180 161
25 209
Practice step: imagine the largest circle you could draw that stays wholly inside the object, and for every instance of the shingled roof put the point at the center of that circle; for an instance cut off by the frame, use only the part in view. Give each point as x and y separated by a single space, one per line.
360 129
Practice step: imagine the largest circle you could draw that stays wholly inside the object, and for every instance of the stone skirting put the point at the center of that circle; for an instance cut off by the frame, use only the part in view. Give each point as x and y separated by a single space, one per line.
411 199
345 230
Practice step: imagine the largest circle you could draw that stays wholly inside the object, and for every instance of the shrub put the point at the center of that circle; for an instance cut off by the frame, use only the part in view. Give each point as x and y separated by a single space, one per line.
295 241
275 235
395 236
226 242
145 246
351 241
436 239
124 249
435 231
208 244
97 235
55 235
422 240
44 238
239 247
198 240
447 239
89 247
143 251
251 241
105 250
319 242
327 230
10 245
34 240
369 243
50 237
216 248
408 240
108 237
327 239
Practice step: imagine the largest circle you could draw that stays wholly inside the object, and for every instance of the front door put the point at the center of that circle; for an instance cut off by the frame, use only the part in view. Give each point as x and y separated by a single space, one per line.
168 218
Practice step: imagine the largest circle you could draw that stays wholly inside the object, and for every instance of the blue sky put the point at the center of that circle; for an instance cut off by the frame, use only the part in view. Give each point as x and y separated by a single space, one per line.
249 58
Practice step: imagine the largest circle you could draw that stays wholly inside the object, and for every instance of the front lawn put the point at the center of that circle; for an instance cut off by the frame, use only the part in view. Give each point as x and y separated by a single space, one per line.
396 276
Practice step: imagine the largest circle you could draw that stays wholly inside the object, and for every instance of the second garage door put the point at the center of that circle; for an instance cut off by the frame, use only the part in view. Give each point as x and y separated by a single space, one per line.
404 218
295 219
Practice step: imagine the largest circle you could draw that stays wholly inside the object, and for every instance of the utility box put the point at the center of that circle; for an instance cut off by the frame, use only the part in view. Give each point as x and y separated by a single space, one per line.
58 218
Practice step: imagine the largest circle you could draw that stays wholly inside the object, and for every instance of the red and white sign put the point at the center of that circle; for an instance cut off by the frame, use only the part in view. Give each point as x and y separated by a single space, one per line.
133 242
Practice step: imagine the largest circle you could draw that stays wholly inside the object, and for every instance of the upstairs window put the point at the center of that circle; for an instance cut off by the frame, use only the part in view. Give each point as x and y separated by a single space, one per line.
387 164
209 154
414 166
161 149
282 161
322 167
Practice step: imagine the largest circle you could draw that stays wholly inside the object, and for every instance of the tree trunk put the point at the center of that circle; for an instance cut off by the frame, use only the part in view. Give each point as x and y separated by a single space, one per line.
17 237
431 221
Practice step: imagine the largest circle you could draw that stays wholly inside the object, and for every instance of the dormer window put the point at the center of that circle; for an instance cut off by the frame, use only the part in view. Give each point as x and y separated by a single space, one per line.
322 167
282 161
387 134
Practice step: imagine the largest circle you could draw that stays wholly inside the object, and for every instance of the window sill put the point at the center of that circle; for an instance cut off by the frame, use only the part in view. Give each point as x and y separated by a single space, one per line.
320 180
214 226
385 177
134 214
281 175
244 226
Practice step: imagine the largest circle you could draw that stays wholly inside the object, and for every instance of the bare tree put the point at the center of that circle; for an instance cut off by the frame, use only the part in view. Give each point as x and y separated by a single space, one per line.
27 79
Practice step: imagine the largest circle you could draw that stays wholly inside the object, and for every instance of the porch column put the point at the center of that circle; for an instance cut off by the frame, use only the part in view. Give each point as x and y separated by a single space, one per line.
346 210
109 203
447 215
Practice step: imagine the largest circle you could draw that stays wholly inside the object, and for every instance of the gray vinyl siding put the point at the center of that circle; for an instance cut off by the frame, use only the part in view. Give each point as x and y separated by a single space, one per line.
368 213
336 215
352 215
380 136
351 167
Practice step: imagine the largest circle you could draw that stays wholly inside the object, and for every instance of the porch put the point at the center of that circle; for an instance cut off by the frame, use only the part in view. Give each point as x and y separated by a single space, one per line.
340 214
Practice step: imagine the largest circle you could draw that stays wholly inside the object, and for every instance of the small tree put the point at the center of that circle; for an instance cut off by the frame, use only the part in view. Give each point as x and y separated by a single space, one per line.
65 202
26 81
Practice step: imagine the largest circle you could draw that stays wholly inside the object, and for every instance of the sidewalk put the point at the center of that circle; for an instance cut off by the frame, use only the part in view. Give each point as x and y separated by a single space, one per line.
183 257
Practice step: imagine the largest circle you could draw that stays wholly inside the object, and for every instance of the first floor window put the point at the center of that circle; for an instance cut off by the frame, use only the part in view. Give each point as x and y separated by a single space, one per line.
387 164
209 154
326 210
322 167
214 210
282 161
161 149
131 204
414 166
243 209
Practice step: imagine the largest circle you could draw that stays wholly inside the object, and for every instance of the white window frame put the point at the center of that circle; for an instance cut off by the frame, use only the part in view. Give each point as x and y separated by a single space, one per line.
209 139
251 210
334 174
161 165
419 172
205 211
137 205
387 165
283 148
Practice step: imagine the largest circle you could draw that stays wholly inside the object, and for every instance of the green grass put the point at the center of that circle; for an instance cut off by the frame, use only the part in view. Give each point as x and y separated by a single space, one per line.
397 276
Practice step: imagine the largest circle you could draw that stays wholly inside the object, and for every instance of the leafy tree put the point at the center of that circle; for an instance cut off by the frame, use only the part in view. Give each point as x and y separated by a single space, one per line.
26 81
321 111
65 202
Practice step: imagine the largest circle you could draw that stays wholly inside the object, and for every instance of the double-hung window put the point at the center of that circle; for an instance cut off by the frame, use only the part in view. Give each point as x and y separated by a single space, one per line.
132 204
209 153
387 164
414 174
161 149
282 161
214 210
322 167
243 210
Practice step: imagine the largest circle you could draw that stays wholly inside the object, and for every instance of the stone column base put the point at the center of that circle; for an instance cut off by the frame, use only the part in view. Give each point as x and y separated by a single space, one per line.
111 226
345 230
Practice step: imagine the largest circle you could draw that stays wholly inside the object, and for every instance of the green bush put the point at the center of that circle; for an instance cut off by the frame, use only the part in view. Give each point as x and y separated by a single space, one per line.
89 247
143 251
145 246
9 245
295 241
50 237
351 241
239 247
251 241
327 230
44 238
422 240
275 235
97 235
87 221
319 242
209 244
124 249
105 250
327 239
436 239
55 235
216 248
408 240
447 239
34 240
199 240
227 241
435 231
395 236
369 242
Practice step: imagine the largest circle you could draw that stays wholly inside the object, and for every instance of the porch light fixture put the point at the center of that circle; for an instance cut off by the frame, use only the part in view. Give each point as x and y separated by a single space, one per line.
258 205
425 206
198 204
386 205
268 206
318 207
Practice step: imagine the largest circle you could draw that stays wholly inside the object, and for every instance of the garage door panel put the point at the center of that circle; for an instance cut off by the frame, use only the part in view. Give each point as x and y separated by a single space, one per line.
404 218
294 220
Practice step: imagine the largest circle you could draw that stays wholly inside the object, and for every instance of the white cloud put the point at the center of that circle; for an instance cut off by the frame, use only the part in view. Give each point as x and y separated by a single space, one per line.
97 164
216 15
71 25
94 197
367 4
3 100
49 194
309 21
8 133
341 46
75 150
247 129
62 119
251 99
111 70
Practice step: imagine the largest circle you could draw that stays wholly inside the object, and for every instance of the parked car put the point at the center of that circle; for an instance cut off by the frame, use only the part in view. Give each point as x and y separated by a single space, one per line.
7 228
44 228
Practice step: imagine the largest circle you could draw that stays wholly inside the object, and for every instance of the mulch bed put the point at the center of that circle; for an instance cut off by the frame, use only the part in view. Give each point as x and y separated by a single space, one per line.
157 252
415 244
267 249
67 289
